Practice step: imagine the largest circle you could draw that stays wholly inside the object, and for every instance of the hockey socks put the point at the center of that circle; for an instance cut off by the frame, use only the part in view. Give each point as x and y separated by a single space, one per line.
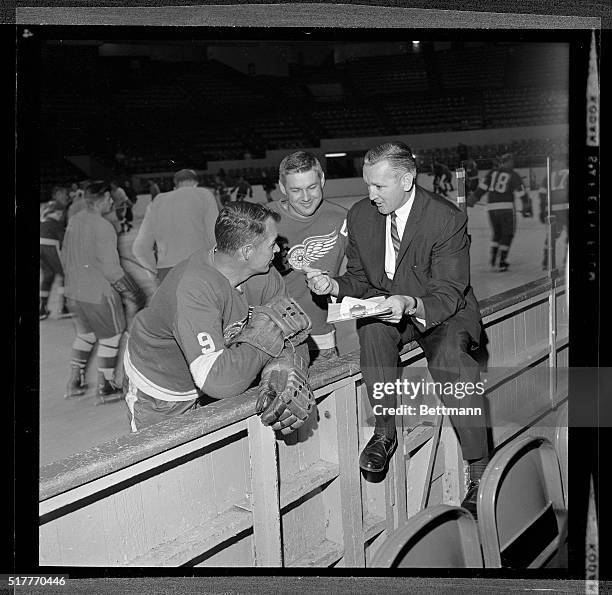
107 356
494 249
81 349
503 253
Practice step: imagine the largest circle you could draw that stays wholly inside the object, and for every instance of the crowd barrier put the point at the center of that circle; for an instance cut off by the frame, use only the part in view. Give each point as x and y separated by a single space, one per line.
217 488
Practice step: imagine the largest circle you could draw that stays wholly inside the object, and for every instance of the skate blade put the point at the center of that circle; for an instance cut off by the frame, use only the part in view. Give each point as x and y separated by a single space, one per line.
109 399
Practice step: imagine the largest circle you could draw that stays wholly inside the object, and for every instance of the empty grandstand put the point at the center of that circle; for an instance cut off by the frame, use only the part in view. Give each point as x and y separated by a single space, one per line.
168 114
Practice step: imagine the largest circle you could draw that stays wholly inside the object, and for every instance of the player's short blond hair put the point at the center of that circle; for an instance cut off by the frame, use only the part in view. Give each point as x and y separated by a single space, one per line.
299 162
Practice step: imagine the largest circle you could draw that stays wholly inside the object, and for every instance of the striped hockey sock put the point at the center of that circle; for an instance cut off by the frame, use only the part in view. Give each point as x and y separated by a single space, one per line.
107 356
81 349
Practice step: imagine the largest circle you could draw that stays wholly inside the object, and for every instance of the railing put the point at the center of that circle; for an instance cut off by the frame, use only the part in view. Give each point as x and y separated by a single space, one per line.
217 488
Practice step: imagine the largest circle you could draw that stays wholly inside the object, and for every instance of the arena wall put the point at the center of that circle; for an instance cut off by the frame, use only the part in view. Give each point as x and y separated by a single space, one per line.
432 140
342 188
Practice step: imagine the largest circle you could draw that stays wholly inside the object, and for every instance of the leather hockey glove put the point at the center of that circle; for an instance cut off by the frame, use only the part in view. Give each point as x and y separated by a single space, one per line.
270 325
285 399
130 292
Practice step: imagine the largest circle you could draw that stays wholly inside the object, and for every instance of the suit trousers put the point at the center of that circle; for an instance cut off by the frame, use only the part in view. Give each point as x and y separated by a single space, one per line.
446 348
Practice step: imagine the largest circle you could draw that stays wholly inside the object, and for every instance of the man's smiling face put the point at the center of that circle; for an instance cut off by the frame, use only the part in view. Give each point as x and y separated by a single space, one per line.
304 192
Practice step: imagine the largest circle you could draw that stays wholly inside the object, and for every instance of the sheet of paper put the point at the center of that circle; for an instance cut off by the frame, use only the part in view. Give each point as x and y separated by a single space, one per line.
352 308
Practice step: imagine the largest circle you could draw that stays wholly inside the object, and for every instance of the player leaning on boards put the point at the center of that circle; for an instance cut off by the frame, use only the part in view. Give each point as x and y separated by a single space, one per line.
219 319
95 287
412 246
311 234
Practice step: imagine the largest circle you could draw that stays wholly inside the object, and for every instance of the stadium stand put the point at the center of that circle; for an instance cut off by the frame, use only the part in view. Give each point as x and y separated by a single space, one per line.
154 110
386 75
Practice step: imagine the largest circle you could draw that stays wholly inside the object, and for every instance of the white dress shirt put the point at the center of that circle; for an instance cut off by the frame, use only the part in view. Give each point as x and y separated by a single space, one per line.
402 215
402 218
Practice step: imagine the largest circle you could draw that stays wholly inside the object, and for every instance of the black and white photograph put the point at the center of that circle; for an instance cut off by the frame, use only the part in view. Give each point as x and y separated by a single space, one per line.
304 298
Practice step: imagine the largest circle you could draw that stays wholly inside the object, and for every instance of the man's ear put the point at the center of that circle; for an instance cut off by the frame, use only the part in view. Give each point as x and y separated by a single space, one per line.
322 179
407 179
246 251
282 187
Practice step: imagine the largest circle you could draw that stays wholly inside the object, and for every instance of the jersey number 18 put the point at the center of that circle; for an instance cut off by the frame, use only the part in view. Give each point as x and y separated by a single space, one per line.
499 182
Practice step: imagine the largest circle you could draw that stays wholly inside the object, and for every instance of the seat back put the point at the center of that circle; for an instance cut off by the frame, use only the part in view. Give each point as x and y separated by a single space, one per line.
521 511
437 537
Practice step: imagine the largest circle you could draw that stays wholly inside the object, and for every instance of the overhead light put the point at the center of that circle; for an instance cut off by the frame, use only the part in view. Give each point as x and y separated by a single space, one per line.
416 42
335 154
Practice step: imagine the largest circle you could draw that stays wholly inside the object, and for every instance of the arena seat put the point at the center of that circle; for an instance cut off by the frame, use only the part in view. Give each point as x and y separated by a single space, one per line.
521 511
152 109
440 536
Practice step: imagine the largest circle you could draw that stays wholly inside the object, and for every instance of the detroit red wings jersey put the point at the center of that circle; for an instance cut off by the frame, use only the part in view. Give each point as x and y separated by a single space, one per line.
90 258
559 183
177 344
503 185
53 231
318 242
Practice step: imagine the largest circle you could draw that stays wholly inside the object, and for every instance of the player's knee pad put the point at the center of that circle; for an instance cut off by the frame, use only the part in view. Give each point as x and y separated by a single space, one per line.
84 341
111 341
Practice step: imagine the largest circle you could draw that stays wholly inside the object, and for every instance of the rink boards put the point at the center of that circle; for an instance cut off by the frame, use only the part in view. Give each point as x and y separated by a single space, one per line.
216 488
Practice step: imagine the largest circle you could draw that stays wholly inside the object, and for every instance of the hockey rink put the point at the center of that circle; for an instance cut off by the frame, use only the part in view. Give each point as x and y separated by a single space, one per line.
68 426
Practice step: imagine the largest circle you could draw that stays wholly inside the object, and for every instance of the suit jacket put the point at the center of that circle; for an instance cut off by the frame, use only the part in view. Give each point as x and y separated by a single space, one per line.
433 261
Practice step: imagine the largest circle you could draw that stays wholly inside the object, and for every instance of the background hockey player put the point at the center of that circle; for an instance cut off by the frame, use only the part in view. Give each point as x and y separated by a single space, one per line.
471 174
268 186
503 185
95 287
178 223
443 178
52 229
243 189
312 235
219 320
123 207
559 181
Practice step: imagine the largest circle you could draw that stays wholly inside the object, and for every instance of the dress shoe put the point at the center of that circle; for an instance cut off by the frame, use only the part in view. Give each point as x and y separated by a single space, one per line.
471 498
377 453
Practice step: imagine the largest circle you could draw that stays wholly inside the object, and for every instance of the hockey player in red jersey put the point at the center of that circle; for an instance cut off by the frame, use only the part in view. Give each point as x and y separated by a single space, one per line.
52 229
503 185
559 182
210 328
471 174
312 235
443 178
96 284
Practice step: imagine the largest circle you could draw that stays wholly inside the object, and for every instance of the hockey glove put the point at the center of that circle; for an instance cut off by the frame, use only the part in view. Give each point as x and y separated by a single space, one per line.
130 292
269 326
285 399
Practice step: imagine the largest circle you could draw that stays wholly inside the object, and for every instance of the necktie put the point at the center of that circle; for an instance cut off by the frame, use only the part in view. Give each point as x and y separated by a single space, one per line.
395 239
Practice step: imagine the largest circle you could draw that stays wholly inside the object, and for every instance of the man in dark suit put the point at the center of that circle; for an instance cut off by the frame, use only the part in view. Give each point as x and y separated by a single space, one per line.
412 246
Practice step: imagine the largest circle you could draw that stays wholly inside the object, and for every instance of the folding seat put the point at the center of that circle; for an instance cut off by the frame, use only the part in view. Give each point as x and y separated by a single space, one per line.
439 536
522 515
